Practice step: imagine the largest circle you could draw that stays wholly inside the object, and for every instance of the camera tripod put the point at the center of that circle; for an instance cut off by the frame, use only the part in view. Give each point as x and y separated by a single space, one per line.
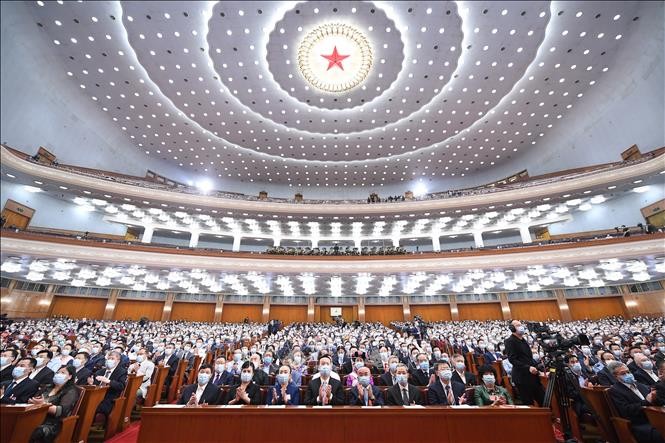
557 380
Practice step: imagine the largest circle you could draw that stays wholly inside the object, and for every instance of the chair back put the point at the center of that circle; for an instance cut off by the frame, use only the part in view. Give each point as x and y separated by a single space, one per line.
423 394
597 401
68 424
622 428
656 417
91 398
133 383
154 392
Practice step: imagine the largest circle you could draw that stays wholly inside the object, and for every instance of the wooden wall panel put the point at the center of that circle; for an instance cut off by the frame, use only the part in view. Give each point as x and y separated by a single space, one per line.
596 307
236 313
79 307
289 313
649 303
540 310
480 311
384 313
193 311
23 304
322 314
432 312
135 309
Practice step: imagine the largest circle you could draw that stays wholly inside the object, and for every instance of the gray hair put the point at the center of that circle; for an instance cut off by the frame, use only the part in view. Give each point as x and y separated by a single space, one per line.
613 366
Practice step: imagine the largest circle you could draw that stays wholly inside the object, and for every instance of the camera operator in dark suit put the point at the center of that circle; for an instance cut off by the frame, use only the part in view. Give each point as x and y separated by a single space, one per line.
524 374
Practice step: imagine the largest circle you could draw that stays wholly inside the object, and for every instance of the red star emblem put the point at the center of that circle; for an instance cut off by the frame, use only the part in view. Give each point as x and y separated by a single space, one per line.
334 59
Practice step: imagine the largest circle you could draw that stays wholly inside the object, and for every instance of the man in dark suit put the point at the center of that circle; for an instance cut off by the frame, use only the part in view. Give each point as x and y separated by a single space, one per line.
115 377
460 374
420 373
341 360
605 377
445 391
524 373
42 374
364 393
644 372
9 357
324 390
629 397
21 388
82 372
96 360
388 378
403 393
221 376
491 355
168 358
203 391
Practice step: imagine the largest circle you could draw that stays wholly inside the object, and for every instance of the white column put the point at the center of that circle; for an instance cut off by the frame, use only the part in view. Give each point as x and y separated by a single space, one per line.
147 234
478 239
357 242
396 242
236 242
194 239
276 241
315 243
525 234
436 245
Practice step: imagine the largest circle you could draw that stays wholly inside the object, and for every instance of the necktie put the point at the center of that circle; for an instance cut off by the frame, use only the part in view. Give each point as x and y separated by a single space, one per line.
10 388
405 396
216 381
449 394
366 396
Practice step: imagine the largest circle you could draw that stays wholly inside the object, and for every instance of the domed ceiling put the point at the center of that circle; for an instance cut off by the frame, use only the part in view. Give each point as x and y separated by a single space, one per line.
335 93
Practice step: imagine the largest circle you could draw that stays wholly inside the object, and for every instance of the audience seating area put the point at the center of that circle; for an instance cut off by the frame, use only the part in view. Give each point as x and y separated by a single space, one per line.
156 362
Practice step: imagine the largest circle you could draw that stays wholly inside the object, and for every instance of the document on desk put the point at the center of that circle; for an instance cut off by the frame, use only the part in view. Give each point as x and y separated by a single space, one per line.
233 406
413 406
460 406
276 406
169 406
325 406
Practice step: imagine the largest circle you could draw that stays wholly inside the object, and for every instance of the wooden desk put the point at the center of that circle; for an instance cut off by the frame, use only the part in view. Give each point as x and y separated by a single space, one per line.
345 424
18 422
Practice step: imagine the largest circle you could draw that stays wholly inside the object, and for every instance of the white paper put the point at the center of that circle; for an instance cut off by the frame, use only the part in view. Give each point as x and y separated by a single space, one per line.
169 406
414 406
460 406
276 406
233 406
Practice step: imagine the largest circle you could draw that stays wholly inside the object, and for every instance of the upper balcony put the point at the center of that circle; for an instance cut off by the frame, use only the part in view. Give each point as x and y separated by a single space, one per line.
563 185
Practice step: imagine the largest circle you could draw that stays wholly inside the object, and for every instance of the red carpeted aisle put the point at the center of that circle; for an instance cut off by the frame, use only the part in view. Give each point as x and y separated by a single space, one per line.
130 435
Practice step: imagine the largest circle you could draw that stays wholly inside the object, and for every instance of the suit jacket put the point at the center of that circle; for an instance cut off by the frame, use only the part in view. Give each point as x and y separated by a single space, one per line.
419 378
82 376
313 392
346 362
291 390
6 374
356 400
225 379
605 378
95 362
260 378
20 393
210 395
394 396
629 405
470 378
520 356
491 357
436 394
643 377
172 363
44 376
253 391
386 379
118 380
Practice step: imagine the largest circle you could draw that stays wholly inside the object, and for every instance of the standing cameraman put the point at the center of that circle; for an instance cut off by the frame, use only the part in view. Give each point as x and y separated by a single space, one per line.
525 374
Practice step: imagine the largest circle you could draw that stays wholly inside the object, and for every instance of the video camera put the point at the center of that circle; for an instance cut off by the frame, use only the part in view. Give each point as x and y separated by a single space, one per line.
553 342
